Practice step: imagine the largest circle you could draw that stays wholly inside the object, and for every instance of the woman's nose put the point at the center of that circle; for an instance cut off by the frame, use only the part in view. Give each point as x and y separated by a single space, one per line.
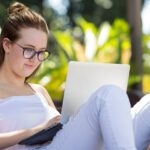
34 58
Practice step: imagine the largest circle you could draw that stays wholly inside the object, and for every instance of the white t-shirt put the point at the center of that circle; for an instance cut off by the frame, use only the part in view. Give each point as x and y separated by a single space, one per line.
20 112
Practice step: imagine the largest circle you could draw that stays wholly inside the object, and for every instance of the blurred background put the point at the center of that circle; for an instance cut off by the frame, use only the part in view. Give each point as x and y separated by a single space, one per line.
108 31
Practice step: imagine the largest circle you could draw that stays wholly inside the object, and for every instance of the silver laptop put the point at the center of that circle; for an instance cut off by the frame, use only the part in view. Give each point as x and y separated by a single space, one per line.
83 78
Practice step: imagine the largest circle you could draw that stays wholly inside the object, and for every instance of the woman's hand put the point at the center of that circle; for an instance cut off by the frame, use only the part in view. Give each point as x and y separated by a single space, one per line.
14 137
46 124
52 121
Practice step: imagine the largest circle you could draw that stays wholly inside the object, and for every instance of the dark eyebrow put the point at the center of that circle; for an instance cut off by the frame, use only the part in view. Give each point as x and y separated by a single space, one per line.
32 46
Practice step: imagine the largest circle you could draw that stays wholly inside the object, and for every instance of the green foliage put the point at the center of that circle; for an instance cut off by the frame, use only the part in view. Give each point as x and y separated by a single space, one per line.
98 11
85 42
146 53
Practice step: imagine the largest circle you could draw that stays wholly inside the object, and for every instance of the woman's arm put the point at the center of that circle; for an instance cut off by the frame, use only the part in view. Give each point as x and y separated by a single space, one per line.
12 138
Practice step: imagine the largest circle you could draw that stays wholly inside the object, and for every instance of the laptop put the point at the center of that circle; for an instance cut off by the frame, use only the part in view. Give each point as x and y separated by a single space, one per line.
84 78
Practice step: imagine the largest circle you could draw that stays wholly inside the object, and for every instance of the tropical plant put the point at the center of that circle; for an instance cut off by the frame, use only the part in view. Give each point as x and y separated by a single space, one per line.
85 42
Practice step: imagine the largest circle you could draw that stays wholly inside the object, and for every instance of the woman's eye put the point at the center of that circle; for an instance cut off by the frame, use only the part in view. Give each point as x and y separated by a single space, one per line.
29 50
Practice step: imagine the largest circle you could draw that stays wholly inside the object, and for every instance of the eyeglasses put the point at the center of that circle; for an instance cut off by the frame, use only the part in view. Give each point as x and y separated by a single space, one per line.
29 53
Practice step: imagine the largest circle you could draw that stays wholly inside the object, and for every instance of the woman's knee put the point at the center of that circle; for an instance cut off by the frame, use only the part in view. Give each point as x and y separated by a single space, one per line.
109 89
111 94
107 96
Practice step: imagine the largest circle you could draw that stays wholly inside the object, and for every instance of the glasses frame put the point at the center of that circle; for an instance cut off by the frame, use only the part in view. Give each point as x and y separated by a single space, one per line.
35 52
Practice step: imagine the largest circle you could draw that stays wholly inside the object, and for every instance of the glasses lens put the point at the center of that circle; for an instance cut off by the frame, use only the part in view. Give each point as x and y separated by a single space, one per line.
43 55
28 53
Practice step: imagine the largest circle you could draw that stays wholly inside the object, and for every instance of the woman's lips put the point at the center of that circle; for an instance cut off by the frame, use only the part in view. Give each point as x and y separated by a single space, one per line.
30 66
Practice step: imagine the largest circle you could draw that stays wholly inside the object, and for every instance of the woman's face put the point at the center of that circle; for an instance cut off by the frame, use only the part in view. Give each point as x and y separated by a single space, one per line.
14 58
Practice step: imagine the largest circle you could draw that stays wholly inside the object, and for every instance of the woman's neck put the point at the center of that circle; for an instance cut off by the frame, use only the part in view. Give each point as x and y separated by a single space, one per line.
7 77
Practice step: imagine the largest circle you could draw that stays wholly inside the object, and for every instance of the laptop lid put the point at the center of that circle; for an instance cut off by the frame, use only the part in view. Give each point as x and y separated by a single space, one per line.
83 78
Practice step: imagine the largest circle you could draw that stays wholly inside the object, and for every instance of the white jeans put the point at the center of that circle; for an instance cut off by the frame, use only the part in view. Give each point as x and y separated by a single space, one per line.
103 121
141 122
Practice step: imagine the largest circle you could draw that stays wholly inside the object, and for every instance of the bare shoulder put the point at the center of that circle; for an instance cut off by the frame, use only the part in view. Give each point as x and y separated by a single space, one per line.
39 88
44 92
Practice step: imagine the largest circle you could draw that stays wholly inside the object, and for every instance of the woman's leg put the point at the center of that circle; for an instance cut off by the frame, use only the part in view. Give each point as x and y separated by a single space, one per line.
141 123
104 118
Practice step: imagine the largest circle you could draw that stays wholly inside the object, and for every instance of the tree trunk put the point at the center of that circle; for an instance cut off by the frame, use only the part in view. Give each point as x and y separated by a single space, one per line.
134 18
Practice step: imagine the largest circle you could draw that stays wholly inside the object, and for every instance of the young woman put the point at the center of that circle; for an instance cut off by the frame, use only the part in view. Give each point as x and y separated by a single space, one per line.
25 108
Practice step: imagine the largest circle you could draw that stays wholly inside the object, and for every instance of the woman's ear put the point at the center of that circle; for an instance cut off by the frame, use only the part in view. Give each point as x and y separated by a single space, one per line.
6 45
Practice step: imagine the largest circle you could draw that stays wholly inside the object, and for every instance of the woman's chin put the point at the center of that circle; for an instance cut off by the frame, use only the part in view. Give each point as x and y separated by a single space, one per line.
29 72
26 75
